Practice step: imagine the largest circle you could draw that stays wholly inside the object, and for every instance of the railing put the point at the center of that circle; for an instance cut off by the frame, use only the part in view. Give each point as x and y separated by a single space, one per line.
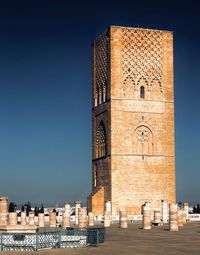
61 238
194 216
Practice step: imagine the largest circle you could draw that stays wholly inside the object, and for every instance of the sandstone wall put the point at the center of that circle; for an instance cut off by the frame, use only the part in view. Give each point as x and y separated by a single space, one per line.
133 96
142 130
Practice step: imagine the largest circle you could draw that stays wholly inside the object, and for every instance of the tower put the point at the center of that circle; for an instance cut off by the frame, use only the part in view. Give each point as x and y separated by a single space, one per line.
133 159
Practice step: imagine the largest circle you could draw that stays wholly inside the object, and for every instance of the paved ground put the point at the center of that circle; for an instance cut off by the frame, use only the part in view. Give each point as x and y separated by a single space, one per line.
136 241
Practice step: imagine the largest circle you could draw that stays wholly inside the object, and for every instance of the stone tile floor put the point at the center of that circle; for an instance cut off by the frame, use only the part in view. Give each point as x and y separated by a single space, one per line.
136 241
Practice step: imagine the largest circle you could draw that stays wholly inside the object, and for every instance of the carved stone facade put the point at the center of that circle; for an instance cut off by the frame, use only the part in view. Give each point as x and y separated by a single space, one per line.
133 120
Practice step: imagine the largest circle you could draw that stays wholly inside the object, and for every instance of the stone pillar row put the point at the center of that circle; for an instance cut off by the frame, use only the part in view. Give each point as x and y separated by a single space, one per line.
177 216
10 218
83 219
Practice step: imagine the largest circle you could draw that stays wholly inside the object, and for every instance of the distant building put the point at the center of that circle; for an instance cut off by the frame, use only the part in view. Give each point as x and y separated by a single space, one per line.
133 120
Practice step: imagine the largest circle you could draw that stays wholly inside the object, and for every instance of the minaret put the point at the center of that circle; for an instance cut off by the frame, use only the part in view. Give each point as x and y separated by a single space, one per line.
133 120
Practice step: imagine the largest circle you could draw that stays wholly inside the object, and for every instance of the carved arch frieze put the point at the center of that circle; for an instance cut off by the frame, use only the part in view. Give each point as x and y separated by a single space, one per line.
144 139
128 87
156 88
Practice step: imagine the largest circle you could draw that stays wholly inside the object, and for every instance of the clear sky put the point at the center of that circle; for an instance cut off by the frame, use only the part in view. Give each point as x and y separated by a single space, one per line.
45 92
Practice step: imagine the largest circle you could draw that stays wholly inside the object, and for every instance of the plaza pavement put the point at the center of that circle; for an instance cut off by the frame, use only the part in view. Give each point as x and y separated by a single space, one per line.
136 241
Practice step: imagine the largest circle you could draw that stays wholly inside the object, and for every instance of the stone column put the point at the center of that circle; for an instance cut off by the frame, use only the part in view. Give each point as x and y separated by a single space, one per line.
23 218
52 219
12 218
165 211
180 217
36 220
3 211
108 207
123 219
82 217
77 206
173 223
66 216
147 216
91 219
31 216
184 217
107 214
106 219
186 208
41 220
157 217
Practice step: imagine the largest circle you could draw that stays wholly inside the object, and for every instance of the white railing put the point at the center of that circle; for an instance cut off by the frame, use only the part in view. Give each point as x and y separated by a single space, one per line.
194 217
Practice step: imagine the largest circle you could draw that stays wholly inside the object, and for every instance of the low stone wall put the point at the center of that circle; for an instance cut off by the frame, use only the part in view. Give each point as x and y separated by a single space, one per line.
57 238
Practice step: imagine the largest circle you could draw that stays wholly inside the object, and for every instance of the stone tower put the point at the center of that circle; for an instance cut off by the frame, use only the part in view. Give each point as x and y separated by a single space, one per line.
133 120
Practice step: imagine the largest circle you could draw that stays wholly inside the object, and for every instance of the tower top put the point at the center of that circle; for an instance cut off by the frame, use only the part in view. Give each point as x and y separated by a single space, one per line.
132 28
142 28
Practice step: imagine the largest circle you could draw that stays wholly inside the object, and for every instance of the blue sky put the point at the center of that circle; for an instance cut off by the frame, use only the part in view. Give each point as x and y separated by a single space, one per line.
45 92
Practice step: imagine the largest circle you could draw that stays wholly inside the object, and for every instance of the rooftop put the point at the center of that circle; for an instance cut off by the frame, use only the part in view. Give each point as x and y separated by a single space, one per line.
136 241
142 28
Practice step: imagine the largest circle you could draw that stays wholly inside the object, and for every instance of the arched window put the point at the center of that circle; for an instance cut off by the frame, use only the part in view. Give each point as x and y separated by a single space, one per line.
100 96
104 94
96 98
101 141
95 176
142 92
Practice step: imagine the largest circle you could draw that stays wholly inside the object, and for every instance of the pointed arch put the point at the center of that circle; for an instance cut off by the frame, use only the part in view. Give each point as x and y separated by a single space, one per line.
158 82
144 140
101 141
129 77
128 87
156 89
142 92
100 94
143 88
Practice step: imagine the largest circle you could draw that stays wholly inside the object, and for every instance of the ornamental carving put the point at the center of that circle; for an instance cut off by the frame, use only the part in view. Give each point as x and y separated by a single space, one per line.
142 59
143 140
143 134
101 67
